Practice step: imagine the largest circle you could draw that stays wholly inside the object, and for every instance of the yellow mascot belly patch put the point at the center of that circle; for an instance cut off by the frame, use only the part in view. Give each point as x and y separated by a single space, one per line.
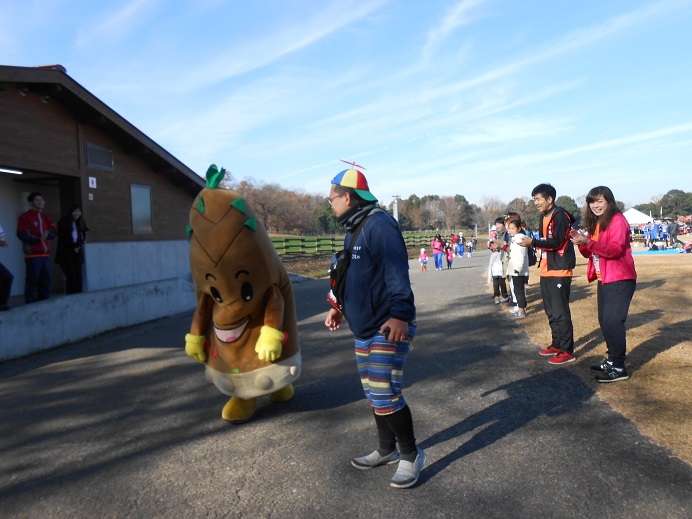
244 328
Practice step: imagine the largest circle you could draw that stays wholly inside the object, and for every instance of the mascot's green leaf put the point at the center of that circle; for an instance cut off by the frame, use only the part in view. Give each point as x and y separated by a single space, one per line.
200 205
188 231
214 176
251 223
239 204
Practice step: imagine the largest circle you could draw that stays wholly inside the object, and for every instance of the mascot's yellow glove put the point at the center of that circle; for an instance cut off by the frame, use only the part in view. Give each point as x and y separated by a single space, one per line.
194 347
268 345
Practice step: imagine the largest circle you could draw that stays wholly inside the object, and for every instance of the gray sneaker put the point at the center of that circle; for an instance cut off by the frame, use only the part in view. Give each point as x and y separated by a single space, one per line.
407 474
374 459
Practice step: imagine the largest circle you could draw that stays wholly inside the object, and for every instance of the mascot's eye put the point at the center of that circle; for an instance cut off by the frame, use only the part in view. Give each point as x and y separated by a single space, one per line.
246 292
215 294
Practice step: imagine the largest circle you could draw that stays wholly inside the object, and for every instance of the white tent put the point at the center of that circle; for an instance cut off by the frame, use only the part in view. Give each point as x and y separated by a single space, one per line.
635 217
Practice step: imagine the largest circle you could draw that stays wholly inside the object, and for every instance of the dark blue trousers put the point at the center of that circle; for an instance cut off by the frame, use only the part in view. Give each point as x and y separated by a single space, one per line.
613 306
38 284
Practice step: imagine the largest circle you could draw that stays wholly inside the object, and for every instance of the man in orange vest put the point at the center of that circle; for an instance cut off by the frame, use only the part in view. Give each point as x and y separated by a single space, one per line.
556 266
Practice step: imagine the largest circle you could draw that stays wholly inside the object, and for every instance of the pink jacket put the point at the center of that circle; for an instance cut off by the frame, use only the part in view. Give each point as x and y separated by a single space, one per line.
614 252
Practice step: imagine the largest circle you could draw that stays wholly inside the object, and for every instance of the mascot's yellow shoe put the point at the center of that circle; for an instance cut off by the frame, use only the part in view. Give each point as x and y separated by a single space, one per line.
283 394
238 410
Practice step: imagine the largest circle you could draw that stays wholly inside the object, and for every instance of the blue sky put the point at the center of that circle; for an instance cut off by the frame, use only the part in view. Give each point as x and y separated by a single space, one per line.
484 98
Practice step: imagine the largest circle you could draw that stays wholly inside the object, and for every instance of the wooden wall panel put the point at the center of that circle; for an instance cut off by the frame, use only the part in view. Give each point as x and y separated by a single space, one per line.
109 214
38 136
48 138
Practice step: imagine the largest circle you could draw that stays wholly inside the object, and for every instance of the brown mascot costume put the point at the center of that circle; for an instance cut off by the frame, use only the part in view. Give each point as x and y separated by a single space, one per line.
244 328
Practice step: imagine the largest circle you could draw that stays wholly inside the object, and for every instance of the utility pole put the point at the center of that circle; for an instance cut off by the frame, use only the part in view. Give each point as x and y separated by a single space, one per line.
396 207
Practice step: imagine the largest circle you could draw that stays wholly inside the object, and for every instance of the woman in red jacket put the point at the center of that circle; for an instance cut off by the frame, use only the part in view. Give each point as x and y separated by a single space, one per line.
607 246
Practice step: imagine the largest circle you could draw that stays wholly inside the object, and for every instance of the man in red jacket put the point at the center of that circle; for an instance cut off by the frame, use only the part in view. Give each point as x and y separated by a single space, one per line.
36 229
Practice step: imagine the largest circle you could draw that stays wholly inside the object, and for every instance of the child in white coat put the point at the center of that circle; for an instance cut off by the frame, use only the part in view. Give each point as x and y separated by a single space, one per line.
518 267
496 276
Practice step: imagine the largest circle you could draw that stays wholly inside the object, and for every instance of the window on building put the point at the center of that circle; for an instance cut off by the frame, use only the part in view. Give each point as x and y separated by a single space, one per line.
98 157
140 197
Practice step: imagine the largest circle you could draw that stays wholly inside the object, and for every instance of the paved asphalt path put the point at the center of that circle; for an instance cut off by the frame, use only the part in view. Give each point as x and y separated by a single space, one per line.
125 425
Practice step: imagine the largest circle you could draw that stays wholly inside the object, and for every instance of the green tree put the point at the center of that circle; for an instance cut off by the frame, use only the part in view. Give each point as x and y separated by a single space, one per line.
518 205
649 207
570 205
676 202
467 212
405 223
327 219
532 217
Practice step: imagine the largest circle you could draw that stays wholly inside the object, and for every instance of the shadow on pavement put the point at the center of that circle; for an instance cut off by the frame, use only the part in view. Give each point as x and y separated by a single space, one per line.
547 394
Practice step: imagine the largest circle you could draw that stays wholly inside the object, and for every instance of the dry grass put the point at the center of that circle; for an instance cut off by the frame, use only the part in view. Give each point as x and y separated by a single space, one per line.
657 397
311 265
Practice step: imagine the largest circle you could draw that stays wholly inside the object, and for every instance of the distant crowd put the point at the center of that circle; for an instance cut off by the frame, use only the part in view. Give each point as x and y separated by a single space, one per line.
662 234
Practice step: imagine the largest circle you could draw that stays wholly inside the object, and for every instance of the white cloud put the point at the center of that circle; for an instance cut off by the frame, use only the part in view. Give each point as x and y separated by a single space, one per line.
455 17
572 41
240 59
118 24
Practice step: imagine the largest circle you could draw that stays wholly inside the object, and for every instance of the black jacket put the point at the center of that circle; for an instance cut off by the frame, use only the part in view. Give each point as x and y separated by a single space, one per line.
68 250
559 250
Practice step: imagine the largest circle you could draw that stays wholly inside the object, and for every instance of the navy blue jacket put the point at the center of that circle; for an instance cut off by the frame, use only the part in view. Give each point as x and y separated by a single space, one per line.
377 282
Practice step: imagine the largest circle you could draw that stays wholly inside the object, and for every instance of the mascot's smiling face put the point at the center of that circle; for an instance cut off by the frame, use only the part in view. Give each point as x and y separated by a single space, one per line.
237 282
229 261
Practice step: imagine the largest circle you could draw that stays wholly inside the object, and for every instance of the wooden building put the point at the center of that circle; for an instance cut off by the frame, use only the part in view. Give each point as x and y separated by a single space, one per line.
62 141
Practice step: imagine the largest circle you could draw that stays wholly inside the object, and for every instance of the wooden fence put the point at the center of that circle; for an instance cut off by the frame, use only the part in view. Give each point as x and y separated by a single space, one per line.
330 244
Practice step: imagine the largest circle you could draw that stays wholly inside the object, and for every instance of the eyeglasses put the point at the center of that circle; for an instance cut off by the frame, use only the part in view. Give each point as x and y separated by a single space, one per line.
334 198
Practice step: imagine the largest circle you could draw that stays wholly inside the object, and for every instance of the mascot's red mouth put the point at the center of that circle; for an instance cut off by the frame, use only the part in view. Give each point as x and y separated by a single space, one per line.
230 334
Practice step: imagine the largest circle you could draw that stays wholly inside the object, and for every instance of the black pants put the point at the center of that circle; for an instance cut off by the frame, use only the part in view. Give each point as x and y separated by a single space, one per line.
555 293
72 268
518 283
499 285
613 306
6 278
396 428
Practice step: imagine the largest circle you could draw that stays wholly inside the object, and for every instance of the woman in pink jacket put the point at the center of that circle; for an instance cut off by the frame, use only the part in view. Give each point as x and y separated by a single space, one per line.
607 246
437 245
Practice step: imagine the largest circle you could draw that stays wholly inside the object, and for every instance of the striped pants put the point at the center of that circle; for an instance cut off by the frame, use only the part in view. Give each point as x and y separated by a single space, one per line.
381 369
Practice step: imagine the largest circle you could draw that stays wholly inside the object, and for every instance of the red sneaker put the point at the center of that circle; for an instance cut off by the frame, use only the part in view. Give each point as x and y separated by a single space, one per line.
562 358
549 351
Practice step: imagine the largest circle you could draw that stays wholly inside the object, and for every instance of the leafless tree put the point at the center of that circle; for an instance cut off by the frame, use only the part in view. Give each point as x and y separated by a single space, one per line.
491 208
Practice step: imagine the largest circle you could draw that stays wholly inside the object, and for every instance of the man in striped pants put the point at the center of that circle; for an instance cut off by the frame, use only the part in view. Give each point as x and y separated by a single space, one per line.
378 303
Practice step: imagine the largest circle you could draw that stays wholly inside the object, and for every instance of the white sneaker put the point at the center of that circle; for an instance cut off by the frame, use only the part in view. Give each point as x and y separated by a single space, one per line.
407 474
374 459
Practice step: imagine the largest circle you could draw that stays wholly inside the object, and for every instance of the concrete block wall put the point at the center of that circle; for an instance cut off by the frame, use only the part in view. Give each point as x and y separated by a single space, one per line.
47 324
118 264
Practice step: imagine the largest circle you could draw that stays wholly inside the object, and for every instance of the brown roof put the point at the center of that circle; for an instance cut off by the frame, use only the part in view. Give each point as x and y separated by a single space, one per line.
53 81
